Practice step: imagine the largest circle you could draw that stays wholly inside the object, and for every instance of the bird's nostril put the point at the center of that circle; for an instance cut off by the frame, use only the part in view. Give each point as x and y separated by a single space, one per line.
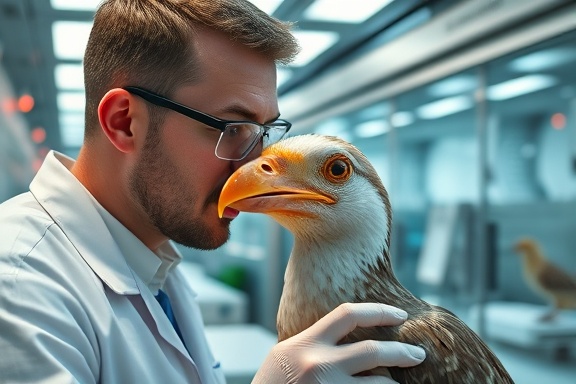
266 167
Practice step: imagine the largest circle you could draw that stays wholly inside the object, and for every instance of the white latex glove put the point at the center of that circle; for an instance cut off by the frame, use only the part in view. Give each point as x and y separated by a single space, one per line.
313 355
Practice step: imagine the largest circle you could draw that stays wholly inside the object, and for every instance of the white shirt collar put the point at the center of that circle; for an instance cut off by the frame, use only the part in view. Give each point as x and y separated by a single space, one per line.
151 267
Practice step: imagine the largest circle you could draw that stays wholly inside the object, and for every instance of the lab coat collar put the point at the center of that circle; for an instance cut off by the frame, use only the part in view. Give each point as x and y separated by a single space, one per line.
68 202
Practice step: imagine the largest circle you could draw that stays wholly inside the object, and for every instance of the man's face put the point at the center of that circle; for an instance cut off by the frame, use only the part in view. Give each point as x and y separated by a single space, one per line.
178 178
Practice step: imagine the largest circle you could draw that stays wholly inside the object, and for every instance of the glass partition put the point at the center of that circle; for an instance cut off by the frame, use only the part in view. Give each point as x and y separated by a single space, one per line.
531 193
435 186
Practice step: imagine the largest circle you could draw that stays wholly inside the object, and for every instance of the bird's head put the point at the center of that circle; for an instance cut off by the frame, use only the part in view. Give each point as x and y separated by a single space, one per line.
524 245
313 185
528 248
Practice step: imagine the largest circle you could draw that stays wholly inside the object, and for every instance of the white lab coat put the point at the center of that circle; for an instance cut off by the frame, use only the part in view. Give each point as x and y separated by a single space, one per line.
71 310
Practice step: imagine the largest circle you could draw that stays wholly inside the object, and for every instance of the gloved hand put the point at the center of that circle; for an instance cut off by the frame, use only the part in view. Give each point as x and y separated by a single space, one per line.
313 355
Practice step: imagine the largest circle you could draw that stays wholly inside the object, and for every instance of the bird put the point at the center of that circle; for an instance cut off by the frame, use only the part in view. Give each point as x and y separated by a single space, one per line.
546 278
329 196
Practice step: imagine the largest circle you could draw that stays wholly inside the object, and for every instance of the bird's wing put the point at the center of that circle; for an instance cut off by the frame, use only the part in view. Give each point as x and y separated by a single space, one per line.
555 279
455 354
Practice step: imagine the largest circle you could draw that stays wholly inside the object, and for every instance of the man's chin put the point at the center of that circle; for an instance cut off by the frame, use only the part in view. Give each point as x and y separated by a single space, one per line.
205 245
206 237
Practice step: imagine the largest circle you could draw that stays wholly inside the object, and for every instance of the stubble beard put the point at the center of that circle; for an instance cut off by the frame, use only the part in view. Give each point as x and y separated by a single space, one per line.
166 201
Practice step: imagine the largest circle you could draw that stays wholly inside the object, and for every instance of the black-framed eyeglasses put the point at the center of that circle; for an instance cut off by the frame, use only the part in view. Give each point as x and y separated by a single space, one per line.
237 138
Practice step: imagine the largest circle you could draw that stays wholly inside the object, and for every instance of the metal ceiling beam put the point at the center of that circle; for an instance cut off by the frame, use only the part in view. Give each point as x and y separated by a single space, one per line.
363 80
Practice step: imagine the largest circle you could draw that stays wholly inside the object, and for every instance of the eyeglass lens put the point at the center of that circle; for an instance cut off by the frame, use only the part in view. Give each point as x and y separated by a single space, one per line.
273 135
237 140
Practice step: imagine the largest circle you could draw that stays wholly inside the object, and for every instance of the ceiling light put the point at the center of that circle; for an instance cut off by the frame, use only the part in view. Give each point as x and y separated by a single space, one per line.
71 101
543 60
75 5
375 111
444 107
452 86
70 38
268 6
401 119
344 11
372 128
69 76
520 86
312 44
331 126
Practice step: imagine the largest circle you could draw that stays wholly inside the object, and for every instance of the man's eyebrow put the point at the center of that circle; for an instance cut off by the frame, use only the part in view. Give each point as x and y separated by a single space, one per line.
247 114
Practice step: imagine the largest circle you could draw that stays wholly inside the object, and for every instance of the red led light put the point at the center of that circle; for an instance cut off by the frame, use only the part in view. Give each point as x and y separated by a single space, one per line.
9 106
558 121
25 103
38 135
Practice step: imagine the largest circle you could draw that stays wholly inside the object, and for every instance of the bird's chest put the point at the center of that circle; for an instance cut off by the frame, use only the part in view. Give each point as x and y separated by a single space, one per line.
533 275
300 307
309 293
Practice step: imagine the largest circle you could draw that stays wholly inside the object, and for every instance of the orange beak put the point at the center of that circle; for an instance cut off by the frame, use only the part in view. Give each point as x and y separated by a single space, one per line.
266 185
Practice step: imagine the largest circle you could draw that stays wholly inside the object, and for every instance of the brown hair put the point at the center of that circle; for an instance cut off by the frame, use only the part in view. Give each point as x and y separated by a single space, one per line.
148 43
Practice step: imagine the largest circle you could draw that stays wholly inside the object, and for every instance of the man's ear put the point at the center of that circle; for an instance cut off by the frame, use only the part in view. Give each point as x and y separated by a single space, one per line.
116 113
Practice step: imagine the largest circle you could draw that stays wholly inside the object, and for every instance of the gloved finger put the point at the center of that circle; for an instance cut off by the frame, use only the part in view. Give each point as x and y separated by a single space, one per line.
364 355
346 317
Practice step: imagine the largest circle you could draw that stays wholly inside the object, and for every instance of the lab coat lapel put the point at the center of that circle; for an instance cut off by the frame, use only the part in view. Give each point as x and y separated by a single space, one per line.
165 328
69 205
187 314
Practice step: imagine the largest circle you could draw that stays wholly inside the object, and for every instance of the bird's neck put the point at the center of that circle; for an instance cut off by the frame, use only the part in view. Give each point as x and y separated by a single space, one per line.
337 261
532 260
323 274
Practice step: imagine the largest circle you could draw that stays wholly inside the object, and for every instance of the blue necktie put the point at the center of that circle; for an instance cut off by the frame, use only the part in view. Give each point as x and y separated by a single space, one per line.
164 302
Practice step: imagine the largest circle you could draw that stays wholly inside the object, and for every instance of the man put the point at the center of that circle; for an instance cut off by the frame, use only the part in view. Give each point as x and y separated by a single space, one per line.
179 94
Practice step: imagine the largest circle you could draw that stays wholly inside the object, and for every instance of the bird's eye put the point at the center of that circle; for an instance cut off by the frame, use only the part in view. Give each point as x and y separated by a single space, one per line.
337 168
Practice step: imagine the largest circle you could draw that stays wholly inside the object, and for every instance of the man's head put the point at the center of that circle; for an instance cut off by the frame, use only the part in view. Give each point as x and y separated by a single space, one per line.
153 168
151 43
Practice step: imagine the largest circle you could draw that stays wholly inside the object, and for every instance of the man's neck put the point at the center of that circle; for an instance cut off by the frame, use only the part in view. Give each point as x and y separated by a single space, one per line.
110 188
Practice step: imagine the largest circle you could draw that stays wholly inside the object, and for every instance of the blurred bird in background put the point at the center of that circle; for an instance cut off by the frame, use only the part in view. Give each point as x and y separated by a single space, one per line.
554 284
326 192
